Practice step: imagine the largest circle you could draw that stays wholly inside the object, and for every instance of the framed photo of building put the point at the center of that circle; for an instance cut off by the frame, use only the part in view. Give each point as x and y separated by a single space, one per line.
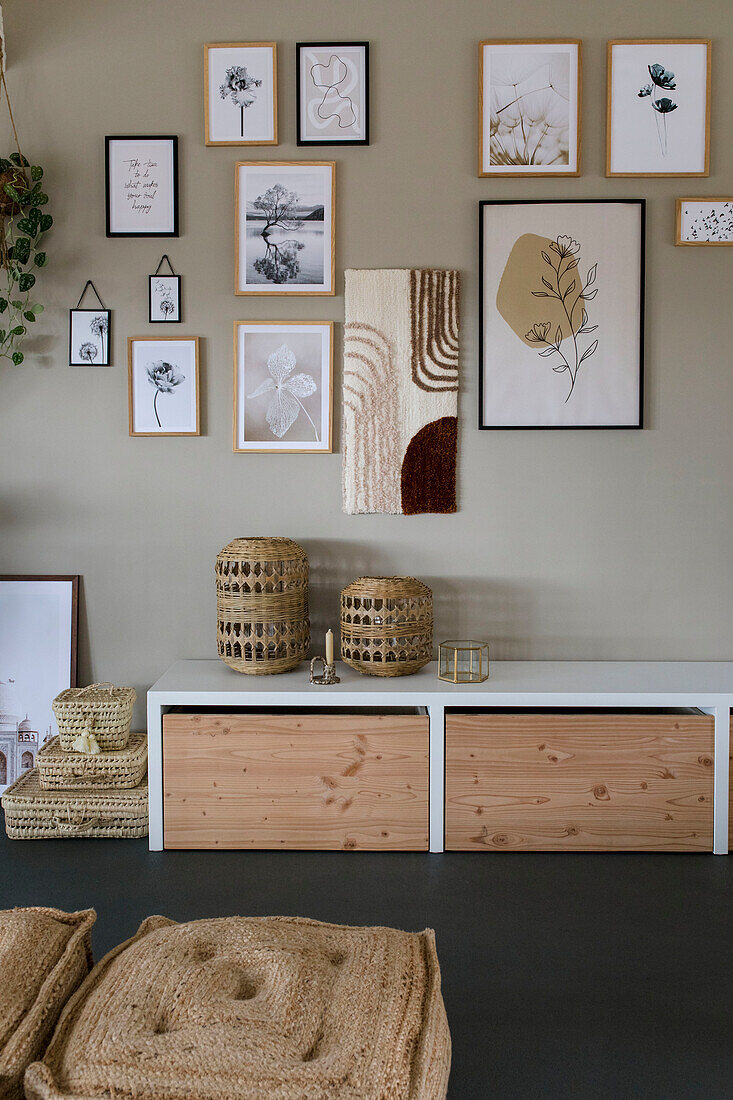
658 107
89 337
240 93
562 313
332 93
705 221
285 218
529 107
163 385
283 387
141 176
38 640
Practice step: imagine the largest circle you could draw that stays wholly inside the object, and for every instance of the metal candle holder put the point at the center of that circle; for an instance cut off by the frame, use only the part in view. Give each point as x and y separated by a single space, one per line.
327 676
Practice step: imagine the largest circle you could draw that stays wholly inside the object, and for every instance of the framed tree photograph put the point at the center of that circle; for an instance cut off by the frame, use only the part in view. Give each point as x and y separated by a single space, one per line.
283 387
332 93
529 107
164 299
285 237
89 337
658 107
240 93
163 385
705 221
561 313
141 176
38 643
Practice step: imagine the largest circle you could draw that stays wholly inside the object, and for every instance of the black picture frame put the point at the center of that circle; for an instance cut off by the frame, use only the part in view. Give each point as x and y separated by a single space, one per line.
110 231
641 203
105 359
299 46
165 320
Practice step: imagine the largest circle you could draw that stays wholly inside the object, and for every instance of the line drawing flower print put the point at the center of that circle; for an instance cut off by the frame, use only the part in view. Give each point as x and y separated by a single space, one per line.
564 282
239 85
285 404
164 377
662 106
99 325
530 109
334 104
88 351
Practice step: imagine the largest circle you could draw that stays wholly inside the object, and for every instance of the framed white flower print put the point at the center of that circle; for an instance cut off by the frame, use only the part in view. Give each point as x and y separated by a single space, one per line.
240 93
283 387
163 385
529 107
658 110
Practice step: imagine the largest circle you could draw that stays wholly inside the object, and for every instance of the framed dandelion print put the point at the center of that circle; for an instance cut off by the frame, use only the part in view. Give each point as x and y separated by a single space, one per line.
332 93
283 386
164 296
658 107
285 240
705 221
163 385
141 176
562 313
529 107
240 93
89 337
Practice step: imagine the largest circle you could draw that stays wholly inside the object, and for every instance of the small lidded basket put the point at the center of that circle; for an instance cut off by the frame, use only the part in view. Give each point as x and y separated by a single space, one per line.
94 719
386 625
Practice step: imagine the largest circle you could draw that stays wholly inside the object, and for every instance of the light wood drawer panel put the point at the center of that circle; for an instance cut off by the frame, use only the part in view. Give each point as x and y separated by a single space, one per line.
290 781
598 782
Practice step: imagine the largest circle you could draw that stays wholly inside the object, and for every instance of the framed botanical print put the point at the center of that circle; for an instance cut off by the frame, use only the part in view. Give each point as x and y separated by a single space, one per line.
38 642
658 107
89 337
141 176
705 221
562 313
529 107
240 93
285 240
163 385
283 386
164 299
332 93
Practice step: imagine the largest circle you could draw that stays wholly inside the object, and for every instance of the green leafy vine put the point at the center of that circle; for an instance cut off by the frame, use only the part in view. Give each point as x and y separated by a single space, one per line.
22 227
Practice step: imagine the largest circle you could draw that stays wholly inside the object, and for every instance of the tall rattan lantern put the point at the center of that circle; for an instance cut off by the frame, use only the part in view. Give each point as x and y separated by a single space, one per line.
262 605
386 625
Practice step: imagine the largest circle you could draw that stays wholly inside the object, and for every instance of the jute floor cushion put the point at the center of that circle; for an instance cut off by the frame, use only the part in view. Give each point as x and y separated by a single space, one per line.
269 1008
44 956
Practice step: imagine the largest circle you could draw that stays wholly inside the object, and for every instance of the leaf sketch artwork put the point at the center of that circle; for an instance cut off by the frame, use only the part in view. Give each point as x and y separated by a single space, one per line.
530 109
286 390
662 81
240 87
164 377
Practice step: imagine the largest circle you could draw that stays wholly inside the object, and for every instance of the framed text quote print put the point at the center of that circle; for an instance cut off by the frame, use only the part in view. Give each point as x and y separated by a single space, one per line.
142 186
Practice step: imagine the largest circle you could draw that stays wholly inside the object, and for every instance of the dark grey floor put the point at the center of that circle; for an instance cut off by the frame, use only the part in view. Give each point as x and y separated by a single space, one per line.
568 976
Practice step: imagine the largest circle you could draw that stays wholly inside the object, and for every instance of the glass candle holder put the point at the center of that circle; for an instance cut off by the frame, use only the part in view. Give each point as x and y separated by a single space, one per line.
463 662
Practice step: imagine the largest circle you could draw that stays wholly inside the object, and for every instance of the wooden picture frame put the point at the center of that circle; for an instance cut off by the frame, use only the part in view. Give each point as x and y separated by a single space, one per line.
281 262
141 201
230 52
705 200
644 76
175 317
163 381
358 106
523 166
90 333
270 334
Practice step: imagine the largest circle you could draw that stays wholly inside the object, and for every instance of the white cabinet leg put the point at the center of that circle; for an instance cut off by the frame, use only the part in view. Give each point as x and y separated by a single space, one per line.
437 778
720 798
155 775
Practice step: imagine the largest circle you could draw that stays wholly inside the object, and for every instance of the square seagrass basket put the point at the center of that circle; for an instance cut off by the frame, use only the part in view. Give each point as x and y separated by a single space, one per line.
31 813
120 770
99 709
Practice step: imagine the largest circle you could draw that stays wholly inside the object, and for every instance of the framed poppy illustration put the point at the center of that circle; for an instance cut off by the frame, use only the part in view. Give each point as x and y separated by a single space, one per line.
705 221
562 312
658 107
240 93
283 387
529 107
163 385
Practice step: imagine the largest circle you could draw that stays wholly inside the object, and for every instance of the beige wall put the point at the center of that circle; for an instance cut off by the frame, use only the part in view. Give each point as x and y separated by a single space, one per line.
566 544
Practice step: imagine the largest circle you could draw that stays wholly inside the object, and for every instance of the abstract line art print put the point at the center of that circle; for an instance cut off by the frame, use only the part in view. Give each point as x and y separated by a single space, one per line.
333 93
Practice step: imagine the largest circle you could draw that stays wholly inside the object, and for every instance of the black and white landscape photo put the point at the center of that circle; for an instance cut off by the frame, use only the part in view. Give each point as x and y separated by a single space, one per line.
89 332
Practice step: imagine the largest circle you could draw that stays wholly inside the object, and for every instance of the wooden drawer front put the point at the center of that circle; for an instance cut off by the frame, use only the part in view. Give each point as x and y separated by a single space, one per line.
599 782
289 781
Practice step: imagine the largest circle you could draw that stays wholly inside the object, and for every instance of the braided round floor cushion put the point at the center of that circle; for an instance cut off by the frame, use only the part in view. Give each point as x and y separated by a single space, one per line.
247 1008
44 956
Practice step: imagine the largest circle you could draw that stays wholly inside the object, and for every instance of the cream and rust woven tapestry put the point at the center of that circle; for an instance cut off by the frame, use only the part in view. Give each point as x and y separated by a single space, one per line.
400 403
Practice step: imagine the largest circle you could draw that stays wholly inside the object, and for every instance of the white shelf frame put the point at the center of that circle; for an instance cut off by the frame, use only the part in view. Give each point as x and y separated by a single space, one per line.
550 685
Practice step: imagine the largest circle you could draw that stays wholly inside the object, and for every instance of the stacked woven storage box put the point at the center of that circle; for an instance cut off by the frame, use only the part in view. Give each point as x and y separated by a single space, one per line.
91 780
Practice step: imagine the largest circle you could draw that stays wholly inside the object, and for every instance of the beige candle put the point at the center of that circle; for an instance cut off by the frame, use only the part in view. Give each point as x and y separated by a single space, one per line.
329 647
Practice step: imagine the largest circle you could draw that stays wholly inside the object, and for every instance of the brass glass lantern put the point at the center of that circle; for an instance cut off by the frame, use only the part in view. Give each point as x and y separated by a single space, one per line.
463 662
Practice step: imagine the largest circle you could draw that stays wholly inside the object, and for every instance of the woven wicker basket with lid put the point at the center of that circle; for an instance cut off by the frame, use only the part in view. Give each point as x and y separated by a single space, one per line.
386 625
101 710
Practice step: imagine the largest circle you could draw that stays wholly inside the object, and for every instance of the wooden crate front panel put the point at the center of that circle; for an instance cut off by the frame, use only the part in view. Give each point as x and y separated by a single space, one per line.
290 781
589 782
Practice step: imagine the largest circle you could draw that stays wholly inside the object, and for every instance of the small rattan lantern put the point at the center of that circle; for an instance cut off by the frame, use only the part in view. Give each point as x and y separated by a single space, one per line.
262 605
386 625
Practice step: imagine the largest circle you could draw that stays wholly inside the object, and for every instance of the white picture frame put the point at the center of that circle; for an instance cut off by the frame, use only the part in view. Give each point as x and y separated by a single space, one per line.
141 179
163 385
240 93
